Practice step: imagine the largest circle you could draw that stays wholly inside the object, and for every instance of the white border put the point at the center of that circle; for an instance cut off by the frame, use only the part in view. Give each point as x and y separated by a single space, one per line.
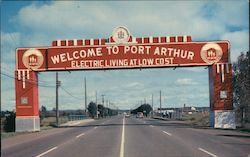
115 31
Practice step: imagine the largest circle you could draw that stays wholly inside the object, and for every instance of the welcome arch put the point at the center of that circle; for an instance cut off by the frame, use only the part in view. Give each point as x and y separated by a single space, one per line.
122 50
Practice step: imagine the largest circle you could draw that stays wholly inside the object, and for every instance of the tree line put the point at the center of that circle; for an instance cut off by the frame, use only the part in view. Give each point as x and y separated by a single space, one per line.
102 111
241 87
144 108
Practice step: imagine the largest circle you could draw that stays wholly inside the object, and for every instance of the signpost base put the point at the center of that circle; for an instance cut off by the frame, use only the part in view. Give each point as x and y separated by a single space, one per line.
223 119
27 124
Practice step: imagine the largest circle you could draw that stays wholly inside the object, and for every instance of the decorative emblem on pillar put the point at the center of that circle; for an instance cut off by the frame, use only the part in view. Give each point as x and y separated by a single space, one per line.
32 59
211 53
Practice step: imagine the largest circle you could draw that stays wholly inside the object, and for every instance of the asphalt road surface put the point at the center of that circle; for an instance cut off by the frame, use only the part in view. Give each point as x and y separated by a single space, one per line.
128 137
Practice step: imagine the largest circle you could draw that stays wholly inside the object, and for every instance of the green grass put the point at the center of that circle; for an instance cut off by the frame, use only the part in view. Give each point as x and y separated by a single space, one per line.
46 123
197 119
51 121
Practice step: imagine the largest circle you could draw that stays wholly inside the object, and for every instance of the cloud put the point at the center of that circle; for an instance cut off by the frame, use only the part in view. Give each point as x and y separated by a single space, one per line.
233 13
184 81
12 37
67 19
9 42
239 41
63 19
135 85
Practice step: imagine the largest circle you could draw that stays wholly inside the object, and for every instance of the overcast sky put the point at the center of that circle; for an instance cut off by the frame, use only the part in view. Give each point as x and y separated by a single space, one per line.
33 24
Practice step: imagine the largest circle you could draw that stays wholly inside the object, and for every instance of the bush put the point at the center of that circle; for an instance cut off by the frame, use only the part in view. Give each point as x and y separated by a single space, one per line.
192 118
9 123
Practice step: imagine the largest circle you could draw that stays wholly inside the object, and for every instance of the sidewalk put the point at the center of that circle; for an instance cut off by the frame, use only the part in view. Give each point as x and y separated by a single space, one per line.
76 122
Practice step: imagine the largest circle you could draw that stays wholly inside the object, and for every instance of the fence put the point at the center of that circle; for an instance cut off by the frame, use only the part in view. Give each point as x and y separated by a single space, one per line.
76 117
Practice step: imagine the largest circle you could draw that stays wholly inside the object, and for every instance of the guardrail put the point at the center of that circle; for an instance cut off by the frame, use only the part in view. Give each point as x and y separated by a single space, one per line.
76 117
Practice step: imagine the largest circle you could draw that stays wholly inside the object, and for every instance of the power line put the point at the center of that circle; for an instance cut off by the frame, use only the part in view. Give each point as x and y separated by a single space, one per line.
57 107
160 101
70 94
40 81
85 92
41 85
31 81
11 44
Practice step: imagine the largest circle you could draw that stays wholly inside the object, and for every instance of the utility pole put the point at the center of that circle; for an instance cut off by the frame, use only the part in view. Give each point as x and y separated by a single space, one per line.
160 101
96 98
153 102
103 99
85 85
96 104
58 83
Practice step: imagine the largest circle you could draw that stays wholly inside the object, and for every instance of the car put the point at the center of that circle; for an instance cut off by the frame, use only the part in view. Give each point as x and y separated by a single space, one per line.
127 115
139 115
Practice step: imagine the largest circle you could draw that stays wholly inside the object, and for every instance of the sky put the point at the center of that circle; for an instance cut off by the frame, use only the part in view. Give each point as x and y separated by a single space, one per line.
36 24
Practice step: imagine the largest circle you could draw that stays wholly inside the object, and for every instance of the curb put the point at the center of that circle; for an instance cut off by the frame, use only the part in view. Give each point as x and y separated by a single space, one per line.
75 123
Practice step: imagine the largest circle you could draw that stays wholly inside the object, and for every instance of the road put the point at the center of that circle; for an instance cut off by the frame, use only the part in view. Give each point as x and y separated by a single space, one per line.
128 137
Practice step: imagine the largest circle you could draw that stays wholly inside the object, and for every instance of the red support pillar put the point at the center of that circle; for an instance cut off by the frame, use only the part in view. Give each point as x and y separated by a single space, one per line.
221 96
27 104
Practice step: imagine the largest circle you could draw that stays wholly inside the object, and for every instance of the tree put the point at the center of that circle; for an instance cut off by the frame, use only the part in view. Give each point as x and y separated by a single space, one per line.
101 110
241 85
43 112
92 109
145 108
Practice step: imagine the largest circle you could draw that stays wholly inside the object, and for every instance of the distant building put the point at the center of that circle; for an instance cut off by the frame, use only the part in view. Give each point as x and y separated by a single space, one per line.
175 112
189 110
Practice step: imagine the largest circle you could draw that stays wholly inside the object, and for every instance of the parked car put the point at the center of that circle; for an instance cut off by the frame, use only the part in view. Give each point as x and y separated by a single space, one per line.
127 115
139 115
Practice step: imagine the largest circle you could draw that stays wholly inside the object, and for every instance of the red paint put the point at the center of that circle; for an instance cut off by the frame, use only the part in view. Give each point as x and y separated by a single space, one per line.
189 38
178 60
54 43
71 42
20 52
163 40
31 92
172 39
146 40
216 85
180 38
96 41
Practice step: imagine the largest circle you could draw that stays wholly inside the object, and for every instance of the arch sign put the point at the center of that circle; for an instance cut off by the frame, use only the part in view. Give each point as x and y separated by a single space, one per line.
123 51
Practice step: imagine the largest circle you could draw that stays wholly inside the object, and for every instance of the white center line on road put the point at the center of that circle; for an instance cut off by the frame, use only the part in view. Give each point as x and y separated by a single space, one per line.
122 141
151 126
167 133
46 152
80 135
203 150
